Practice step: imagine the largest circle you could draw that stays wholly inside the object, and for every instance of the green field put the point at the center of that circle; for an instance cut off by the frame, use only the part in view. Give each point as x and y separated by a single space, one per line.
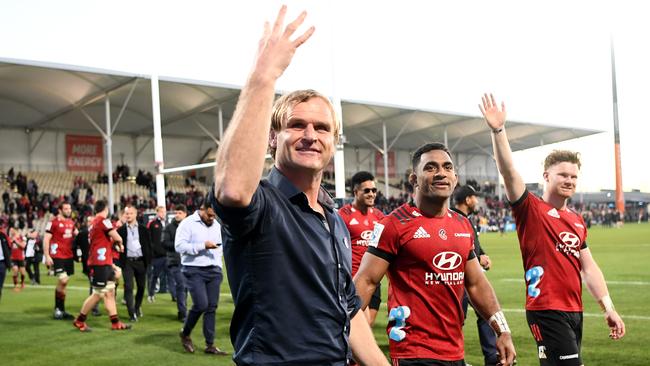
28 335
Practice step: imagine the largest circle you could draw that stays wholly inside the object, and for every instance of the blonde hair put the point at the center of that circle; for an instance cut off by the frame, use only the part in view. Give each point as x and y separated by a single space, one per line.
561 156
283 105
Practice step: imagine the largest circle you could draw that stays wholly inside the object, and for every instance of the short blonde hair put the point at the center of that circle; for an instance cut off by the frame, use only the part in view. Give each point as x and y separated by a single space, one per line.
283 105
561 156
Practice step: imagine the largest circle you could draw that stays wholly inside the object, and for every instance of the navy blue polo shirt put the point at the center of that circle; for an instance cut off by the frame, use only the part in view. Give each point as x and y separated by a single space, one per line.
289 270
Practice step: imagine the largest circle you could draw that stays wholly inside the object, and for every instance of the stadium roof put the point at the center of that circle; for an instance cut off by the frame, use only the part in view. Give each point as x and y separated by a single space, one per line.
43 96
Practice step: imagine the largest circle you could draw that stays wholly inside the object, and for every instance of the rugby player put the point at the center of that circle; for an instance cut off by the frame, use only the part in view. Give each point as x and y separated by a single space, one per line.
360 217
427 250
552 240
103 238
57 245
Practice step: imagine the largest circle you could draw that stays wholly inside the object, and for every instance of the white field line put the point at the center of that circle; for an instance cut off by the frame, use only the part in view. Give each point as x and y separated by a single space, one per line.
227 294
76 288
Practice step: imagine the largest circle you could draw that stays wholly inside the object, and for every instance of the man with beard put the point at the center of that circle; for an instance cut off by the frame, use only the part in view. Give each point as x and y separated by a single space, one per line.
427 250
57 247
360 217
552 240
198 240
466 201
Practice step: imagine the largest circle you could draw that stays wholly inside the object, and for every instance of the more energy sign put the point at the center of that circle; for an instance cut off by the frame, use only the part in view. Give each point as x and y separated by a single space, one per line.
84 153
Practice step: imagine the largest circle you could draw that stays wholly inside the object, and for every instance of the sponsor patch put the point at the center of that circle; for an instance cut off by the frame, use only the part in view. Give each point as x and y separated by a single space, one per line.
442 234
376 234
541 352
462 235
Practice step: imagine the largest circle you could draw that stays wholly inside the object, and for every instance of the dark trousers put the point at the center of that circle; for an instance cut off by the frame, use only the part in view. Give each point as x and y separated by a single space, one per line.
3 272
203 284
158 267
179 291
486 336
131 269
35 274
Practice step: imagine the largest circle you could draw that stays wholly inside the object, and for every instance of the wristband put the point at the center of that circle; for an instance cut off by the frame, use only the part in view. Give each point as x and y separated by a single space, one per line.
498 323
497 130
606 303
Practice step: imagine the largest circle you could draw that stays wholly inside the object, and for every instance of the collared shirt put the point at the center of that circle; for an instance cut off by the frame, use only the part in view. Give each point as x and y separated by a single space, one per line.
191 236
133 246
289 270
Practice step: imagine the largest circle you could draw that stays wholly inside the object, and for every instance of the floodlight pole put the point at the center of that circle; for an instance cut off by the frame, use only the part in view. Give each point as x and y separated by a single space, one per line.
109 155
157 142
620 200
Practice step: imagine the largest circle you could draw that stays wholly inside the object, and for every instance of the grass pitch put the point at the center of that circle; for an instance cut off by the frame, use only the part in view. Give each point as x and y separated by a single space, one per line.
29 335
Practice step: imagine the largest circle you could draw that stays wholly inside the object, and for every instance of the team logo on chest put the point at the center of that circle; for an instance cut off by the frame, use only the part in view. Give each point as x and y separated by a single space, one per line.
447 270
569 244
442 234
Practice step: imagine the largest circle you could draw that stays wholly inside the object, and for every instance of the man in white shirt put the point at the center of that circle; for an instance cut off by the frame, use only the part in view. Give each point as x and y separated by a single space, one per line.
198 240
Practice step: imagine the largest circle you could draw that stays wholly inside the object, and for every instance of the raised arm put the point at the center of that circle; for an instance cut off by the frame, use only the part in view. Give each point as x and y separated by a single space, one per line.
597 287
240 159
496 120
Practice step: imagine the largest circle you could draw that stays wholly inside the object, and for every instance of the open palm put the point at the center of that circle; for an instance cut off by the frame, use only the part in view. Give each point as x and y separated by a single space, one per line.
495 117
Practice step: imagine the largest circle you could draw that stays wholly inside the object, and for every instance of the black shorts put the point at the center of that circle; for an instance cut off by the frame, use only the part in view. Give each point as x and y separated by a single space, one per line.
558 335
18 263
100 275
63 265
426 362
375 300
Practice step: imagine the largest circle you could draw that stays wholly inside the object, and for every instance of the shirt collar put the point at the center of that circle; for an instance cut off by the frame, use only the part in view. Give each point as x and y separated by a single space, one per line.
289 190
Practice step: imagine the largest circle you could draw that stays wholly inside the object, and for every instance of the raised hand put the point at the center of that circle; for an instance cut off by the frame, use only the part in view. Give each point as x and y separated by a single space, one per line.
276 49
616 325
494 117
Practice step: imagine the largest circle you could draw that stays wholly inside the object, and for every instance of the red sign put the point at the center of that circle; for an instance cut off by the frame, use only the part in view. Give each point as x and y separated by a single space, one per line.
84 153
379 164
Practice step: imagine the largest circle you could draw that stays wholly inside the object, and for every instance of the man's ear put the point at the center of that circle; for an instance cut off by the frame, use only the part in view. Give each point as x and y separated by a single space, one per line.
273 140
545 175
413 179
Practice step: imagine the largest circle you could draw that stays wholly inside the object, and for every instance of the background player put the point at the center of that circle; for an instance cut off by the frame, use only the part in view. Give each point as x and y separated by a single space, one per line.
17 258
102 237
428 252
57 245
552 239
466 202
360 217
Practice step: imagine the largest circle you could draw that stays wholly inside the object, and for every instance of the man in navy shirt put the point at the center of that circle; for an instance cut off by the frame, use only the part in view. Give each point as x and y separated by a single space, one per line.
287 251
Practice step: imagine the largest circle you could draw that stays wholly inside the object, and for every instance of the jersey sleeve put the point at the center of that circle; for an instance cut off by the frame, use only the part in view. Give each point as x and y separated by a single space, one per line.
521 207
48 227
106 225
385 240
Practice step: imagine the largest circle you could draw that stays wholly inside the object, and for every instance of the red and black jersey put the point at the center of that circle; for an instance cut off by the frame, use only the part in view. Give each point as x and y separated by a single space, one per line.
17 251
62 231
360 227
427 258
101 246
550 241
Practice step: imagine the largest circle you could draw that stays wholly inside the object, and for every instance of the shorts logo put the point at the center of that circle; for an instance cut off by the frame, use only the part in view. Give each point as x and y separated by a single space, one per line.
420 233
376 234
553 213
446 261
541 352
571 240
442 234
568 357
